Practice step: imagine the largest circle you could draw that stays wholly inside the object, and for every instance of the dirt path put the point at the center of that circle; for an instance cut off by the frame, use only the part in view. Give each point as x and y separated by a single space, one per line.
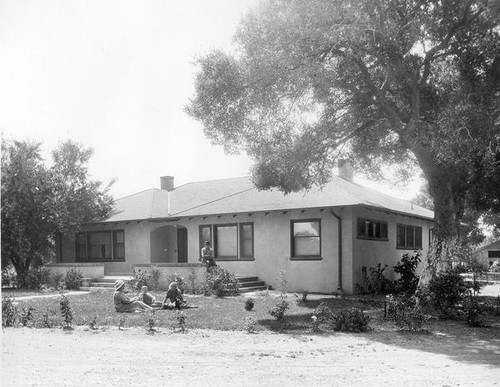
32 357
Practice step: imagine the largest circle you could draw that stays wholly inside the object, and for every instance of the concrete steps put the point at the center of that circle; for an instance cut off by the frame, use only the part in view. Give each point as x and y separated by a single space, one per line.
250 284
105 283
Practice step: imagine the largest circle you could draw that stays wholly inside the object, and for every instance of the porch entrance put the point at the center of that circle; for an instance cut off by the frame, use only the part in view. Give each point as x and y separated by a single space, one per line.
169 244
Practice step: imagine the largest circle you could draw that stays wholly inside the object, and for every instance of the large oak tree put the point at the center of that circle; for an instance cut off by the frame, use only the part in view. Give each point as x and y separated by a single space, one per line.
384 81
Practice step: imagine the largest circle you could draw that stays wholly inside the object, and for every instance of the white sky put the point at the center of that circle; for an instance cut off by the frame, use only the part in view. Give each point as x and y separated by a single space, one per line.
115 75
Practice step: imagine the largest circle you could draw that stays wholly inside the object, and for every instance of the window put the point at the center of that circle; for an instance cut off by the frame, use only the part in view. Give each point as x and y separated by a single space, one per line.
493 253
100 245
409 237
226 241
81 246
306 239
372 229
246 240
231 242
205 235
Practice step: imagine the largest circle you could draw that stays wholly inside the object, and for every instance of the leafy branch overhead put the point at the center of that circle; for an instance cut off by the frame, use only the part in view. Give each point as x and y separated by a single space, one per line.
380 81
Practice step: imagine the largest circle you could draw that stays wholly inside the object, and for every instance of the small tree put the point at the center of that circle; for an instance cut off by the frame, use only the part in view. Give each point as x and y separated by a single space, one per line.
406 268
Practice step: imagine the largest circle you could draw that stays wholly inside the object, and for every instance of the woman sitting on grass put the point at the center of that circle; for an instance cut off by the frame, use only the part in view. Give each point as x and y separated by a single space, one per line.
124 303
174 298
148 298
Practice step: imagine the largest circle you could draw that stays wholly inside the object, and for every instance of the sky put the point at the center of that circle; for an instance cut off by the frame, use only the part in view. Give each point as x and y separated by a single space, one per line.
115 75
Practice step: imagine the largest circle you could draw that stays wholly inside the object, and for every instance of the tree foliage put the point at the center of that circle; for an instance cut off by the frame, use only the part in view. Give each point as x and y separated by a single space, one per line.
38 202
381 81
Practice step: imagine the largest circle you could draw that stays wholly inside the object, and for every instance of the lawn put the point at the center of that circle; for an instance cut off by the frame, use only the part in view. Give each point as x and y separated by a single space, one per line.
219 313
206 313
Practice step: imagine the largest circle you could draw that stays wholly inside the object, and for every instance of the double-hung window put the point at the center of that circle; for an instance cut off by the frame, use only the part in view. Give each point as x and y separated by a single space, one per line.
306 239
372 229
409 237
100 245
232 241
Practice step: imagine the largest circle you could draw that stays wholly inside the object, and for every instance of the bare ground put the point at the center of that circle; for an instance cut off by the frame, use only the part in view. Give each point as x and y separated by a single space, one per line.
112 357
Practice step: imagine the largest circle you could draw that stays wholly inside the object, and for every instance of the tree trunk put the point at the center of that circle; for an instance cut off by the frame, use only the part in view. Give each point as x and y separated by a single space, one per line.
448 195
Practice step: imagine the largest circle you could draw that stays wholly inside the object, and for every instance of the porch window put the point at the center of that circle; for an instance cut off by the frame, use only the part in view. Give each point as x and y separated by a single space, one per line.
372 229
306 239
246 240
409 237
81 246
205 235
226 241
100 245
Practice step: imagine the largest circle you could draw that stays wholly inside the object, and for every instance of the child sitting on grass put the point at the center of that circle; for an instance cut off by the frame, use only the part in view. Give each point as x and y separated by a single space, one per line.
148 298
174 298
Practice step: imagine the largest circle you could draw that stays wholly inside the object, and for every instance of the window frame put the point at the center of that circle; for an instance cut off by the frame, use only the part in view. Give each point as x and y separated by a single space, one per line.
383 227
414 229
241 239
202 239
216 240
305 257
113 243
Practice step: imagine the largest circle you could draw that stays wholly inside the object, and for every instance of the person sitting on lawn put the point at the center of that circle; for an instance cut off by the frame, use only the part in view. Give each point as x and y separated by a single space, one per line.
174 298
148 298
124 303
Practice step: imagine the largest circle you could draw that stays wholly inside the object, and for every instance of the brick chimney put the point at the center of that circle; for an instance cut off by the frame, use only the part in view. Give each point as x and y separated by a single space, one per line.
346 171
167 183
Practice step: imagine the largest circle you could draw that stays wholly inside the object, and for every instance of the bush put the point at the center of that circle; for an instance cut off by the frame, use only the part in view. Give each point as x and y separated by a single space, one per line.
66 312
154 279
323 313
444 292
279 310
406 313
73 279
351 320
57 281
220 282
9 277
181 284
141 278
9 312
249 304
34 278
406 268
374 280
26 316
474 311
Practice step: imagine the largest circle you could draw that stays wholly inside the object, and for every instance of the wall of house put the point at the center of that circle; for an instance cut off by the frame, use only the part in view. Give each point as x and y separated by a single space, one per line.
370 253
272 247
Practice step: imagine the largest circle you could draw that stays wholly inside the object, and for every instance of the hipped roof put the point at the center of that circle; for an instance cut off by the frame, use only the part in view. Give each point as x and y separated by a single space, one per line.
238 195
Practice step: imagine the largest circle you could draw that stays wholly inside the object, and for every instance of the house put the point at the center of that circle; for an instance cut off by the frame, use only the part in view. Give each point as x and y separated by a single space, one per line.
488 255
321 238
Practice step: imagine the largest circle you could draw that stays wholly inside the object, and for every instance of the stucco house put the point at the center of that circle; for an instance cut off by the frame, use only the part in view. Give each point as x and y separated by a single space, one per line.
488 255
321 238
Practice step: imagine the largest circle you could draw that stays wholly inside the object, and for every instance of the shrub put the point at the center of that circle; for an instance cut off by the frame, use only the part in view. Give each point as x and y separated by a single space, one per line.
474 311
73 279
46 321
444 292
151 322
283 280
220 282
57 281
9 312
155 275
406 268
34 278
192 284
314 324
249 304
250 325
93 323
140 279
406 313
323 313
26 316
66 312
9 277
351 320
181 284
180 321
279 310
121 322
374 279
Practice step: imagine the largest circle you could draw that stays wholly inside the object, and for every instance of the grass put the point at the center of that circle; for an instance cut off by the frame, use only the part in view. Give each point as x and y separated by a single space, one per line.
209 313
213 313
